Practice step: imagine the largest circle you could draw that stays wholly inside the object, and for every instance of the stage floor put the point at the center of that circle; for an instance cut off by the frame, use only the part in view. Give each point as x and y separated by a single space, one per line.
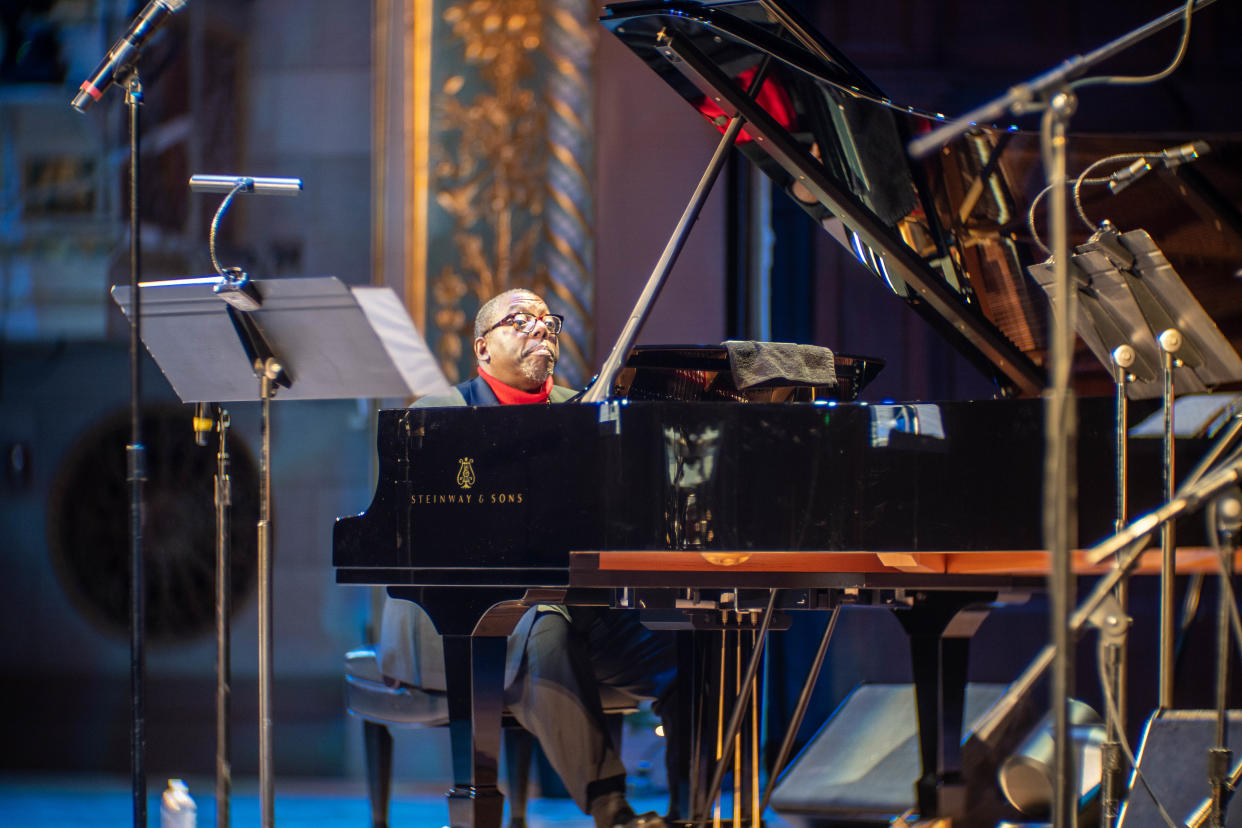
89 801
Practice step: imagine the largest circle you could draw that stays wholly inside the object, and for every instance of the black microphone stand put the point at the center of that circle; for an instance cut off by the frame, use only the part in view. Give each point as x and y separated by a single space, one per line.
224 609
136 471
1112 776
1052 94
1225 518
135 452
210 417
120 65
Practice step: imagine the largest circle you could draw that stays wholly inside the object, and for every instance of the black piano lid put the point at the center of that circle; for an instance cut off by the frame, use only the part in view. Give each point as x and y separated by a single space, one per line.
953 245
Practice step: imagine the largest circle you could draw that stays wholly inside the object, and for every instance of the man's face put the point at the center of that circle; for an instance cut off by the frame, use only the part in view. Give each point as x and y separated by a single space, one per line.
521 359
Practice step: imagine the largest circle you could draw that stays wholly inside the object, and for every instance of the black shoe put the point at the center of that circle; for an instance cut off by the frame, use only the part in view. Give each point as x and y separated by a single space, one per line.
648 820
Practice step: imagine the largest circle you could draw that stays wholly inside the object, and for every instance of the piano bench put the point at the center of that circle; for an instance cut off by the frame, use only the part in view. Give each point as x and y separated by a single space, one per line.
381 706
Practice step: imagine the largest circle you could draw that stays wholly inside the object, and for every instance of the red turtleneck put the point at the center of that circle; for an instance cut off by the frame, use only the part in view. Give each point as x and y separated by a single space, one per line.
508 395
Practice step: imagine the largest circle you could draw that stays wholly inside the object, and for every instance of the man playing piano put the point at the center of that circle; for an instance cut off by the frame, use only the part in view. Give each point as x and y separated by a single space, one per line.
558 658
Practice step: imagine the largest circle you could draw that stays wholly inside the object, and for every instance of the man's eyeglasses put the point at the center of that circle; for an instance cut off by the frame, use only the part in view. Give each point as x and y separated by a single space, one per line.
525 322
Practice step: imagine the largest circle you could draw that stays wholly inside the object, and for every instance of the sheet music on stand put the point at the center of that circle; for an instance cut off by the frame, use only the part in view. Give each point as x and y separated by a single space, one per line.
1128 294
335 341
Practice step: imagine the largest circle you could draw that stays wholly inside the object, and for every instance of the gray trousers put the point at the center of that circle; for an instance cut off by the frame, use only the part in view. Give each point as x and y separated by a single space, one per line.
556 692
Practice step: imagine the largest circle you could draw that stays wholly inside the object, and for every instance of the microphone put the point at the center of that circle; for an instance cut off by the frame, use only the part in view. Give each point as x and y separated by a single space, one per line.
1171 157
1186 152
1126 176
1229 512
124 51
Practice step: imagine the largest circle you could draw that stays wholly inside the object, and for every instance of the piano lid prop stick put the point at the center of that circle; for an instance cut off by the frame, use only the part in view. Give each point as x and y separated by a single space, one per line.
601 389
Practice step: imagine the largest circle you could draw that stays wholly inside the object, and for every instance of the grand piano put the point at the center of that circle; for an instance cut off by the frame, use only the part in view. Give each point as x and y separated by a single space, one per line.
681 491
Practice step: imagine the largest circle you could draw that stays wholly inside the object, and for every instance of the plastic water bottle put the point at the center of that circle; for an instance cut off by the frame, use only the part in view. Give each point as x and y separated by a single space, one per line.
177 808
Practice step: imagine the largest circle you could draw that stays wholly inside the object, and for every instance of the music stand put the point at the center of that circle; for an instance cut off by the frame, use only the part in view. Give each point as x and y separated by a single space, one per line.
315 338
337 342
1129 294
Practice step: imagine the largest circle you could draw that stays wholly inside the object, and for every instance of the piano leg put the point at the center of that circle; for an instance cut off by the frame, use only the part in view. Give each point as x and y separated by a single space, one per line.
940 627
474 674
475 624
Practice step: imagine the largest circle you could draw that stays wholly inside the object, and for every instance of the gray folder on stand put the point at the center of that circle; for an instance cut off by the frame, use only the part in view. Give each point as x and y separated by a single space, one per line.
1128 295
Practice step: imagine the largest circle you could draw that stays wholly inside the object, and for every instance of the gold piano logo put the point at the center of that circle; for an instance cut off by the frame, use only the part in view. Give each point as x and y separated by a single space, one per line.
466 480
465 472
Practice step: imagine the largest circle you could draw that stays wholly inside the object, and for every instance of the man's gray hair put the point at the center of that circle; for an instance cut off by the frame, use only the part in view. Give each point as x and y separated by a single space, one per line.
490 312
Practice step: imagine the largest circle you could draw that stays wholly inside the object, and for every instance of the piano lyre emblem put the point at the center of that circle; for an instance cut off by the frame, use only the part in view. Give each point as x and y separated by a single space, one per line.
465 472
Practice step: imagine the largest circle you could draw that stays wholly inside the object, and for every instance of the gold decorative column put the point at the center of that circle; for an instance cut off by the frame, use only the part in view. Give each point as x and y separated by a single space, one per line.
495 156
